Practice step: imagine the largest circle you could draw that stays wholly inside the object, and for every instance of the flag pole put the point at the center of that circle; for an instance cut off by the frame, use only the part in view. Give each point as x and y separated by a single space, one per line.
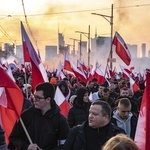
26 132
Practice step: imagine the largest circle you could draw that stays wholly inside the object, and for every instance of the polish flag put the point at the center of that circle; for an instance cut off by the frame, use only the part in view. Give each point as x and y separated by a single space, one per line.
90 73
59 70
81 66
11 103
127 71
142 135
99 74
39 74
122 49
61 102
69 65
133 86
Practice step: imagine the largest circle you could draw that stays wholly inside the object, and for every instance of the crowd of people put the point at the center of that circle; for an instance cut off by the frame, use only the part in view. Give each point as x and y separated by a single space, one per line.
97 114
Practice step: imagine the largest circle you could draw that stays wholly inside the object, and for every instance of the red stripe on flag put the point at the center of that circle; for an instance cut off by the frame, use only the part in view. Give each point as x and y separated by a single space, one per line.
122 49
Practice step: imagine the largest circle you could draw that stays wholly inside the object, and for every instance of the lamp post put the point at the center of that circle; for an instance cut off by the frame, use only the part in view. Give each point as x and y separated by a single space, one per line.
74 44
88 36
110 20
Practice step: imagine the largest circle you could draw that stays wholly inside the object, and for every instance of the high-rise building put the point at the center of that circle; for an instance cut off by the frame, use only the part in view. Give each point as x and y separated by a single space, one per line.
19 52
149 53
50 52
133 50
143 49
9 49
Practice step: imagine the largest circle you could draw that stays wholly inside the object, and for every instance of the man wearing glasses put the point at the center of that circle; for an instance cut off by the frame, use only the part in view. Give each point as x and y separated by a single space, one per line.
124 118
44 123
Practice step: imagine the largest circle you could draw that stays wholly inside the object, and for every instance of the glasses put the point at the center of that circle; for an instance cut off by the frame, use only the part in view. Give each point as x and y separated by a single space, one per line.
37 98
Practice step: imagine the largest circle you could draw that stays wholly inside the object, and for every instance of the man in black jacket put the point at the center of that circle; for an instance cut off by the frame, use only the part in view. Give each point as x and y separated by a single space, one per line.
93 133
45 125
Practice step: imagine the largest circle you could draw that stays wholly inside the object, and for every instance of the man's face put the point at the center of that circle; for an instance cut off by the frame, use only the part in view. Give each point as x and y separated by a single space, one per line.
101 89
96 119
105 94
123 111
39 101
124 93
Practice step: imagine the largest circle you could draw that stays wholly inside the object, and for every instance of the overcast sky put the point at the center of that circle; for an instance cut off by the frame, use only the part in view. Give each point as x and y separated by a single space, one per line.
131 20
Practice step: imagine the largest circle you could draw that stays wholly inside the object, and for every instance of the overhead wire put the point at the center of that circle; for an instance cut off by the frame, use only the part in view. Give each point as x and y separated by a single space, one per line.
26 20
6 34
78 11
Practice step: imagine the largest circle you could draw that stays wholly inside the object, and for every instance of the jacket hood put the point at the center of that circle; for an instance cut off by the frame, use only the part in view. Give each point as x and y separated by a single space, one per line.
80 94
115 115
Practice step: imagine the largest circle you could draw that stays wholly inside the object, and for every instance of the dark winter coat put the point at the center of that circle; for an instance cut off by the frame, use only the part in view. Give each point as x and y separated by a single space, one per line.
2 140
78 113
85 138
44 130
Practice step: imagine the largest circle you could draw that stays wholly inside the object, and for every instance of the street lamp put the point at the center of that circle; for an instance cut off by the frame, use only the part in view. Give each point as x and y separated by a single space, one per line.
110 20
74 44
88 36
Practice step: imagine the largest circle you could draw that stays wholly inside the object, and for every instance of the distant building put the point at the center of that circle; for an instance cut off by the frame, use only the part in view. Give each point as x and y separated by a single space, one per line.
143 49
50 52
149 53
133 50
19 52
9 49
61 43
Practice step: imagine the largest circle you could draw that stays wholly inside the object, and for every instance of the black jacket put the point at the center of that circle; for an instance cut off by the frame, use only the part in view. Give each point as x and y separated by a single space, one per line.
44 130
78 113
2 139
85 138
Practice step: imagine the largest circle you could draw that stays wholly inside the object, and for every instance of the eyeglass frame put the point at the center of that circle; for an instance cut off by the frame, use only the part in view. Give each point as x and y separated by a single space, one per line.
37 98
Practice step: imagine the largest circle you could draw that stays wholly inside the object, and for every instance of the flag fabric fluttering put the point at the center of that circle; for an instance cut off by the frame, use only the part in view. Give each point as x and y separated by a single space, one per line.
39 74
11 103
142 135
70 66
99 74
122 49
133 85
61 102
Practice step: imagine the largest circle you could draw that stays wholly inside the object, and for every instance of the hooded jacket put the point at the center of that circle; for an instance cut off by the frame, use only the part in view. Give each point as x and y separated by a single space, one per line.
128 125
80 110
45 130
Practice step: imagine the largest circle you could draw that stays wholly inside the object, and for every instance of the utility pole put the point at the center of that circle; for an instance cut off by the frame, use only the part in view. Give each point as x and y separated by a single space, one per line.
110 20
74 43
88 36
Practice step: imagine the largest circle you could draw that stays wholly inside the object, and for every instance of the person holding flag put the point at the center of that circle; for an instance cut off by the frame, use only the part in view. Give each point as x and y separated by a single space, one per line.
47 128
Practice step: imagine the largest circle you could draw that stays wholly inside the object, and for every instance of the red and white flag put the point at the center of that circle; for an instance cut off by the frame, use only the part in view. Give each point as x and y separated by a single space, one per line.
59 70
70 66
11 103
61 102
122 49
142 135
39 74
133 85
99 74
81 66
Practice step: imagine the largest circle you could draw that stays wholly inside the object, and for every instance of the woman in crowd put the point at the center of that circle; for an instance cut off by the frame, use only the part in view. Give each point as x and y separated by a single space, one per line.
80 110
